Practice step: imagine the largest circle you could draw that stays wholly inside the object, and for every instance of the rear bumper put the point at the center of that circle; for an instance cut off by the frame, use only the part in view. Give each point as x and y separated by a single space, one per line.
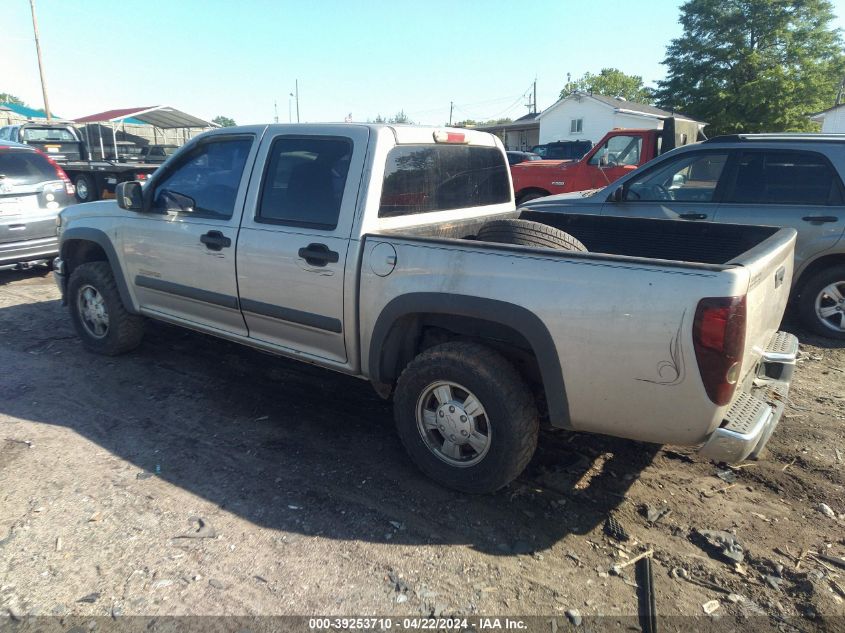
12 253
755 413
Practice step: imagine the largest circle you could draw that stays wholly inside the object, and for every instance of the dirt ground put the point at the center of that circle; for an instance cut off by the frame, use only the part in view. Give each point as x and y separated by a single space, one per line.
197 477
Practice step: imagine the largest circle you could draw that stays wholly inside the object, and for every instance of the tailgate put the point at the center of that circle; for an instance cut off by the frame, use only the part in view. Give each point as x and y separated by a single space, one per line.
769 266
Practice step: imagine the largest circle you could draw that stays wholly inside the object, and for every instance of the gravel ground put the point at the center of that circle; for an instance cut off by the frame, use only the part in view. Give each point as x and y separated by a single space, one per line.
197 477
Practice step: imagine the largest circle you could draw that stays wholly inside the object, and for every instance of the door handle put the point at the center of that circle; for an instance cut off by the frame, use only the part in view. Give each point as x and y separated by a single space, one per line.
820 219
215 240
693 216
318 255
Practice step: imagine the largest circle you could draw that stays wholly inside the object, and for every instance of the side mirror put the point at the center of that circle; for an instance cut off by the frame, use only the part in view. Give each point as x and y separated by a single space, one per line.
130 196
618 194
603 161
175 201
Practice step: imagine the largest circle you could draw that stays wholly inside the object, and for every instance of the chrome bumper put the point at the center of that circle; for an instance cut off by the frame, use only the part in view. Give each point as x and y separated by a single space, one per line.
754 415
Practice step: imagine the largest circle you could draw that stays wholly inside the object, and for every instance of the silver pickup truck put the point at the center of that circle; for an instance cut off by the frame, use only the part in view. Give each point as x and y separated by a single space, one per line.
396 254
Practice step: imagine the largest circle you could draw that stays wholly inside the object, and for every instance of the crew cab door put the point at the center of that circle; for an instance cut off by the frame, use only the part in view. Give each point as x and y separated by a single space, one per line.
683 187
295 236
795 188
180 255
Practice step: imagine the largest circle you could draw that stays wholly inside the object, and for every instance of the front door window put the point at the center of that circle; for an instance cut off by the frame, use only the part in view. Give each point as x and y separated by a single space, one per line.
689 178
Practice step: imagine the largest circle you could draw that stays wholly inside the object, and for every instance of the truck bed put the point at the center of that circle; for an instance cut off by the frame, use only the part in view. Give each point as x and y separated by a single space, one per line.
625 309
667 240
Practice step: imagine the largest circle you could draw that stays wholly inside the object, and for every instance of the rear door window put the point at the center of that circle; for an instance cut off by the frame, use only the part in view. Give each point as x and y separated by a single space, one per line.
424 178
304 182
784 177
25 167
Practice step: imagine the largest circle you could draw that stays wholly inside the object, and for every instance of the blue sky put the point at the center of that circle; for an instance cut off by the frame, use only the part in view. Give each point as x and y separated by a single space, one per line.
236 58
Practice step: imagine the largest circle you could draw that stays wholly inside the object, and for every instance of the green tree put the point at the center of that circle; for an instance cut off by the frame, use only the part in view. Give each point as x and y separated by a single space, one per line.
5 97
400 117
224 121
753 65
611 82
474 123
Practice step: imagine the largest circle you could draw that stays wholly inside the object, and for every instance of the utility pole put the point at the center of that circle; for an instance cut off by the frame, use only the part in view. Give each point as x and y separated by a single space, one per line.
40 63
535 95
276 111
451 106
297 100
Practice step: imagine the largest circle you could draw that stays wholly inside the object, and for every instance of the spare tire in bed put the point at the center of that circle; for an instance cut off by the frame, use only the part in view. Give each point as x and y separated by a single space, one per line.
527 233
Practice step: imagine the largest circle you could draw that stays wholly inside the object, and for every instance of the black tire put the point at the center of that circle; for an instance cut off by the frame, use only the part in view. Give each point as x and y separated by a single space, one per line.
811 290
530 195
86 188
527 233
512 426
124 330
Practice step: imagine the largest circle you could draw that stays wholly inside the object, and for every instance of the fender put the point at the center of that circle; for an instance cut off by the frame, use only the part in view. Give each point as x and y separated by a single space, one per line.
102 240
511 315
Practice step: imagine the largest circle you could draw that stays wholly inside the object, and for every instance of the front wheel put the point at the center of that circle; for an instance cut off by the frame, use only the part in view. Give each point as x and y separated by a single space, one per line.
822 303
99 316
466 417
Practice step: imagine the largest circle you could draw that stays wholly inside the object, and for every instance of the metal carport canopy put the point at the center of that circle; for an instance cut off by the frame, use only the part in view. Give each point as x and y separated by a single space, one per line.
162 116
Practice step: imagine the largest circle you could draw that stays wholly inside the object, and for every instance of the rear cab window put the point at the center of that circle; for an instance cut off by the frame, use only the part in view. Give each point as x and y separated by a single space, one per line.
431 177
47 134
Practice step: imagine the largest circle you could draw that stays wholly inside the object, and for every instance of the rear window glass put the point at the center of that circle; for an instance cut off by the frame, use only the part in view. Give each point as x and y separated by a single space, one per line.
784 178
47 134
422 178
25 167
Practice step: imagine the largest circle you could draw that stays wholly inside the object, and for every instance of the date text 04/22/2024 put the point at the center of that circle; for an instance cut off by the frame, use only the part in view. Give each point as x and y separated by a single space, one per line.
411 624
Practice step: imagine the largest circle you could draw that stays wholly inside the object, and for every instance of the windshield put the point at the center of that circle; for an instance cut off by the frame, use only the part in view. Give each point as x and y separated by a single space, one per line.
47 134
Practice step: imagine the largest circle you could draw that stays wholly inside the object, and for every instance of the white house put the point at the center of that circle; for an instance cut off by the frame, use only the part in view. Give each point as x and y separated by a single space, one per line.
832 119
582 116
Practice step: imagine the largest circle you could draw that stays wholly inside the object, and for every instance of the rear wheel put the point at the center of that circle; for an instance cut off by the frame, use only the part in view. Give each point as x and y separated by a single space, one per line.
99 316
466 417
86 188
822 303
527 233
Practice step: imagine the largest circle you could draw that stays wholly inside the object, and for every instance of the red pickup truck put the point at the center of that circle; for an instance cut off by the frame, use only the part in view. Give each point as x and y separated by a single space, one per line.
619 152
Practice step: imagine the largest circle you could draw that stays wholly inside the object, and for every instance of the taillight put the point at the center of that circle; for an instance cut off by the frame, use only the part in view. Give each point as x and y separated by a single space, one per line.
140 176
60 173
719 340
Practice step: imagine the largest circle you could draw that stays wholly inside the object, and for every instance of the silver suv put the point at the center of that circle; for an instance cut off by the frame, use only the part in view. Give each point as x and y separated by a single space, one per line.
33 189
792 180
